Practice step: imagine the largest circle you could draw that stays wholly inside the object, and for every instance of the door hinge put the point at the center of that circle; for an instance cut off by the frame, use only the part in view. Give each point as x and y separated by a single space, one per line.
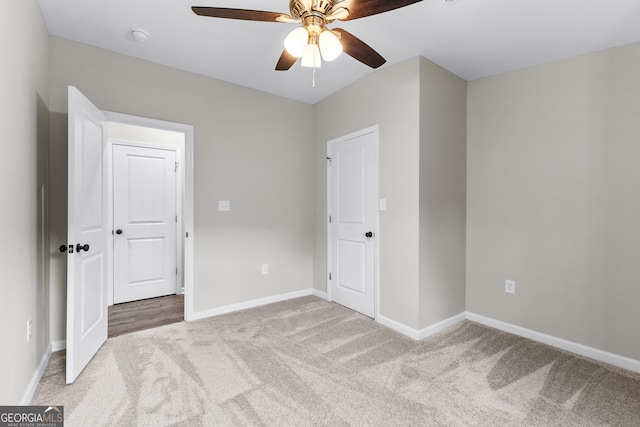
329 158
176 218
176 271
329 219
177 165
329 275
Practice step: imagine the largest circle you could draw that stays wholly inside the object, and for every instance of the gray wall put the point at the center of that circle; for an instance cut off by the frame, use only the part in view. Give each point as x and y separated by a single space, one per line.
389 98
443 154
246 151
24 121
554 199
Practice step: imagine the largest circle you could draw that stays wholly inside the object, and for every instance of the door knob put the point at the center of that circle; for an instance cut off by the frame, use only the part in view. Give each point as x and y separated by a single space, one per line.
119 231
368 234
80 247
63 248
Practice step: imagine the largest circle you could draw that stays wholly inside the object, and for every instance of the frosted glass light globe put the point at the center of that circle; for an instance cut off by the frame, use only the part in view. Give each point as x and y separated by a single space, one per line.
311 57
330 46
296 42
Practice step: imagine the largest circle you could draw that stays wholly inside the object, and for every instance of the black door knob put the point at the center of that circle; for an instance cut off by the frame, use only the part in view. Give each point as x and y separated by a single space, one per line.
118 231
63 248
80 247
369 234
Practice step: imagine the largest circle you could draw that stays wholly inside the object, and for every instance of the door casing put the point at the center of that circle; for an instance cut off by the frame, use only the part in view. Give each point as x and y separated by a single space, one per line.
187 238
375 131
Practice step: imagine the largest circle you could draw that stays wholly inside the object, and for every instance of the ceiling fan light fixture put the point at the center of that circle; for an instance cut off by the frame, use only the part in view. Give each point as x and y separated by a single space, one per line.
315 15
296 42
330 45
311 57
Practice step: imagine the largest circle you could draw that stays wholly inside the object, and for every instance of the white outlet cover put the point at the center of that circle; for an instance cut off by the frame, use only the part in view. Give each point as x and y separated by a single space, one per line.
224 205
510 286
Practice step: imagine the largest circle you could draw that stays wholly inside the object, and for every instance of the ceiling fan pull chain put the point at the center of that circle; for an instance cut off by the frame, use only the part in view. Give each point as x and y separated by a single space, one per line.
313 79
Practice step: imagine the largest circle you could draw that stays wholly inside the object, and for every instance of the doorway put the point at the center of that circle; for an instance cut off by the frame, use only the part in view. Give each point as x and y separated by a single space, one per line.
353 220
141 132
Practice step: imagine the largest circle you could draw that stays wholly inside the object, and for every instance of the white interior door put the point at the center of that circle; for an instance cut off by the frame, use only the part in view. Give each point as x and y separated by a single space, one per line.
353 212
87 233
145 222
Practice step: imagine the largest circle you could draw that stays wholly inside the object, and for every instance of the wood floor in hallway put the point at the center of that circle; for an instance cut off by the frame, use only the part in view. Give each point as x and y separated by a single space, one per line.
145 314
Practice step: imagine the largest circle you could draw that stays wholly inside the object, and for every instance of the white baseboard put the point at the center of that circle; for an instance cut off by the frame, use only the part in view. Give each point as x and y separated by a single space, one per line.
583 350
320 294
573 347
398 327
422 333
35 379
250 304
441 326
58 345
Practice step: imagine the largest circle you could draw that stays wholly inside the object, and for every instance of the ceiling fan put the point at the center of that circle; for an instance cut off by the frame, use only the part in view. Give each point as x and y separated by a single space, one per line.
313 40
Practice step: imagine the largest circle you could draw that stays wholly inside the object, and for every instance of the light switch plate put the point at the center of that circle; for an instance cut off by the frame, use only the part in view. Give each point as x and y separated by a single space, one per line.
383 204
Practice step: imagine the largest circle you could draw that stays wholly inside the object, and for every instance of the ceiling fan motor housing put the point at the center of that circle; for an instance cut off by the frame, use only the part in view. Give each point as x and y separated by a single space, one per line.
300 9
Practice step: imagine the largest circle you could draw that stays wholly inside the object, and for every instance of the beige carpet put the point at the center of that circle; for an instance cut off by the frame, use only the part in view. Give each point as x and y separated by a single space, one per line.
310 362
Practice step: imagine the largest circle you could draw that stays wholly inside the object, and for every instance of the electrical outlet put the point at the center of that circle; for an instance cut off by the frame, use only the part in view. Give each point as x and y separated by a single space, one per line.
29 330
510 286
224 205
265 268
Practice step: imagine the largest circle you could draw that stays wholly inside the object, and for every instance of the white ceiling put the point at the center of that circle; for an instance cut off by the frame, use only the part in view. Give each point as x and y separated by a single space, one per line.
471 38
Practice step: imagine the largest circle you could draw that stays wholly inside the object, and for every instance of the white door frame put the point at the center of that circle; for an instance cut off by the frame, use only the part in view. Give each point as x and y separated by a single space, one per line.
371 129
179 238
188 214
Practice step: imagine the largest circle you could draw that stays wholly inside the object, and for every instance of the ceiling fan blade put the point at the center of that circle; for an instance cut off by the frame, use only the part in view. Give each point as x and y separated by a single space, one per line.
361 8
245 14
353 46
288 19
286 61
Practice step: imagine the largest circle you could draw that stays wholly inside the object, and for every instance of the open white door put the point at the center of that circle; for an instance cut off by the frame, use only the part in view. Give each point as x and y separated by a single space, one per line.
353 193
87 233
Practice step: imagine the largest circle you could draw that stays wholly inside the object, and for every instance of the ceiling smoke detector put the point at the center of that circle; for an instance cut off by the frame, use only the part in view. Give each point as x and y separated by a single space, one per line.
139 35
